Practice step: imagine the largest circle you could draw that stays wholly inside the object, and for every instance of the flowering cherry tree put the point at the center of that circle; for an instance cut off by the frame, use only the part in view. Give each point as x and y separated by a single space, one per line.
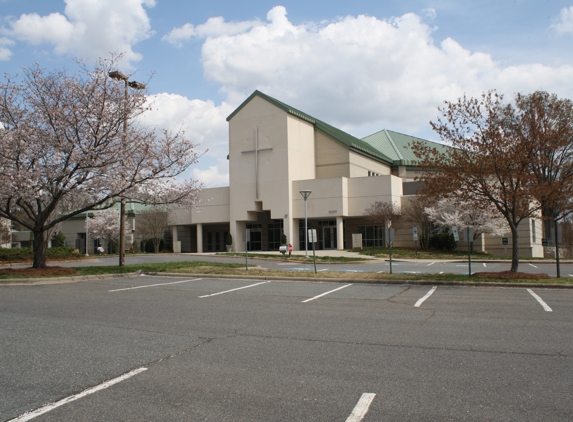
105 225
72 143
460 213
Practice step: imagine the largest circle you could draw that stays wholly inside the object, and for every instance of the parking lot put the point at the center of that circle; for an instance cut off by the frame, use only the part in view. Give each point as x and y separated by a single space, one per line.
180 349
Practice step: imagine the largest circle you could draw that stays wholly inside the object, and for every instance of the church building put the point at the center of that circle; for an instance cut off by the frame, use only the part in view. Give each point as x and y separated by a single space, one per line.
275 153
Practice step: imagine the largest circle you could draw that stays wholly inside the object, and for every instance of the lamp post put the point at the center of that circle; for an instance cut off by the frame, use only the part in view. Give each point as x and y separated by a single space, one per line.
87 234
136 85
305 194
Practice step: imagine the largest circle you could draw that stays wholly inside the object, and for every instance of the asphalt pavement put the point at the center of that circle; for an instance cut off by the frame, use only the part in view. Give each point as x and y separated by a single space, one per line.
180 349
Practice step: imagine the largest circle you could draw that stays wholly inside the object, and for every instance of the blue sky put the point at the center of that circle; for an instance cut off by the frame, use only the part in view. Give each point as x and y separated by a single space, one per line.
360 65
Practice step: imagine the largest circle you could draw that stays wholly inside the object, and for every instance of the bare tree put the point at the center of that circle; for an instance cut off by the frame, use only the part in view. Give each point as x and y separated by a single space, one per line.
547 123
64 148
385 214
152 225
413 213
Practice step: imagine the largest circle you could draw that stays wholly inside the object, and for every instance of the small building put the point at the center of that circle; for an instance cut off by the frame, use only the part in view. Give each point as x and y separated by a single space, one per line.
277 151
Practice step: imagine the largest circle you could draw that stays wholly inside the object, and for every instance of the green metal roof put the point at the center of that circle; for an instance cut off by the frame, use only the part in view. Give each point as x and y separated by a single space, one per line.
388 147
397 146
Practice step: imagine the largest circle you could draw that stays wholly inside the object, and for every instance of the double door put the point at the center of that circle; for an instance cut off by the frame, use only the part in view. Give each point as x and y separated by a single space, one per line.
329 237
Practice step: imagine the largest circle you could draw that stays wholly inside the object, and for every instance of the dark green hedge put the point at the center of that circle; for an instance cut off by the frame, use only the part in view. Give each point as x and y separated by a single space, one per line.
26 254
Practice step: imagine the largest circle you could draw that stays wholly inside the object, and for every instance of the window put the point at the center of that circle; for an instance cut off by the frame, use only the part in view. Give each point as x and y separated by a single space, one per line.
371 236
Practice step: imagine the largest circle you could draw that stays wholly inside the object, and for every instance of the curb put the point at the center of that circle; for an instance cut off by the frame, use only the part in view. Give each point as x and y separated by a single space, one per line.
65 280
371 281
60 280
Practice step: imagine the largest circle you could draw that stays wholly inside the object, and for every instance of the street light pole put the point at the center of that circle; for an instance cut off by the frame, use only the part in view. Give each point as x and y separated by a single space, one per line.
87 234
305 194
136 85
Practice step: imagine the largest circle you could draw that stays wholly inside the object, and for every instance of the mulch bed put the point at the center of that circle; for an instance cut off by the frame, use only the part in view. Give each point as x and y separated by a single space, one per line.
508 275
38 272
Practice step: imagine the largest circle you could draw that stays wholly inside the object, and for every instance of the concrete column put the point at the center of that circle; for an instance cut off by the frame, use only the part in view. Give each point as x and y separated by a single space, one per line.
176 243
339 233
199 238
239 236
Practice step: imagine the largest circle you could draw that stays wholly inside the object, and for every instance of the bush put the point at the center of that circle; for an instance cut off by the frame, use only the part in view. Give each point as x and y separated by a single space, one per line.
26 254
59 240
63 252
442 241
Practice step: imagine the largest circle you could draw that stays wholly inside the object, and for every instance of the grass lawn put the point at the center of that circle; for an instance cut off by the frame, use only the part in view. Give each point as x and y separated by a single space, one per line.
215 268
410 253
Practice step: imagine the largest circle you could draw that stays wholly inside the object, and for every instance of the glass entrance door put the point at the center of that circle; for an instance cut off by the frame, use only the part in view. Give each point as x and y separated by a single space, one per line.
329 237
256 242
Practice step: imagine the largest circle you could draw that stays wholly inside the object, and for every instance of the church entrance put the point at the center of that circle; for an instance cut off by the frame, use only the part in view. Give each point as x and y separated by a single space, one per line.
329 237
265 234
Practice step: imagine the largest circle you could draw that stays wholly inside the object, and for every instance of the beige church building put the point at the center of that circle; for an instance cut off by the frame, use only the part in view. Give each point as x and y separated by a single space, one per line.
277 151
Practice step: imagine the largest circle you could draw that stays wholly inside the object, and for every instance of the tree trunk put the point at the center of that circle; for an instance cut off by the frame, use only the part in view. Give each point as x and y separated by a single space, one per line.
514 251
156 244
39 248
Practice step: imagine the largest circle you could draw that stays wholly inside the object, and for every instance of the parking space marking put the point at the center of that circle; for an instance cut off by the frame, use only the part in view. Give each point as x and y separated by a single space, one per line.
431 263
361 407
533 265
154 285
423 299
570 275
541 302
324 269
233 290
326 293
45 409
484 264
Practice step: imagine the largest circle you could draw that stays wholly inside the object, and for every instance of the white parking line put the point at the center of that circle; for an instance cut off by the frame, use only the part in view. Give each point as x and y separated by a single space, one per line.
431 263
232 290
533 265
45 409
541 302
380 272
570 275
361 407
154 285
422 300
326 293
484 264
324 269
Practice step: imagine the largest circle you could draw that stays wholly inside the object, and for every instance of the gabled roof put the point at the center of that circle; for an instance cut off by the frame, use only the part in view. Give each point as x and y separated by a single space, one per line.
397 146
390 148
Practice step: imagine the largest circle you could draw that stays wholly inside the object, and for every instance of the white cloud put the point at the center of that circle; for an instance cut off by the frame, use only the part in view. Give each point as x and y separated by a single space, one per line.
565 23
204 123
214 27
360 71
212 176
88 29
5 52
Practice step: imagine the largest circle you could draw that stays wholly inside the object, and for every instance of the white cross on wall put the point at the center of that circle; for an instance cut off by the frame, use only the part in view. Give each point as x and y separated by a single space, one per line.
256 151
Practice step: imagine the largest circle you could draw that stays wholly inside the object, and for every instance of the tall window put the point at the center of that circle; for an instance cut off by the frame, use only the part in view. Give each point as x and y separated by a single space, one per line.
371 236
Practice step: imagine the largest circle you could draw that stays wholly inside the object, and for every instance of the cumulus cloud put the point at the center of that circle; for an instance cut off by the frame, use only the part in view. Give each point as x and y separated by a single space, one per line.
88 29
204 123
5 52
565 23
359 71
213 27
